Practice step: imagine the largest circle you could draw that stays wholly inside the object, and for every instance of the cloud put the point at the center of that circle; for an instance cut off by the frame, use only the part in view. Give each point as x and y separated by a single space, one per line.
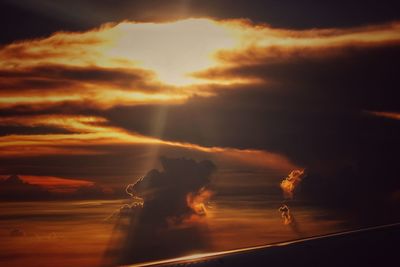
64 76
289 184
383 114
181 183
84 131
198 201
171 199
89 148
285 214
51 188
96 86
262 99
112 65
290 220
309 108
56 184
14 188
45 18
93 135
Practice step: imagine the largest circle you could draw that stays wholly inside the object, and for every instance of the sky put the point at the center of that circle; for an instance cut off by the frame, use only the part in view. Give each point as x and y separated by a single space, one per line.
95 96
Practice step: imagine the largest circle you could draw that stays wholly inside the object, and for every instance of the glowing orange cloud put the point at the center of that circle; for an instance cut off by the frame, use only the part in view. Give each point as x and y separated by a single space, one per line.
288 185
197 201
86 133
170 50
132 63
260 43
285 214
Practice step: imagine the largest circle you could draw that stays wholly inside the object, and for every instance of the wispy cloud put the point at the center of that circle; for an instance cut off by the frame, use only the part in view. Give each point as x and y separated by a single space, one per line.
87 134
383 114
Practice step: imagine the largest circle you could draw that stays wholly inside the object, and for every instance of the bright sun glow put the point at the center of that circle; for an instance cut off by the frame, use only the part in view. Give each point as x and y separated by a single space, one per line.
172 50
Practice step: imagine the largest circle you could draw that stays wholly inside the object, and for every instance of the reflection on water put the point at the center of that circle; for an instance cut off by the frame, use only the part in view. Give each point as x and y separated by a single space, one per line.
76 233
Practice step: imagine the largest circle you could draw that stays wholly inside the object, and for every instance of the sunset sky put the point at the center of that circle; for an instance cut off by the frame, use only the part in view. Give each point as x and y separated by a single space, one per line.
94 95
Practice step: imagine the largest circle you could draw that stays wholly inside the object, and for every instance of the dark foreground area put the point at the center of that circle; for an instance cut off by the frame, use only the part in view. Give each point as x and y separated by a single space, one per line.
375 246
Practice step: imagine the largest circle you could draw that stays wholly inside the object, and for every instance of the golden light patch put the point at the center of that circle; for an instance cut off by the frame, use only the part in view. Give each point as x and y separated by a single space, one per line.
198 201
172 50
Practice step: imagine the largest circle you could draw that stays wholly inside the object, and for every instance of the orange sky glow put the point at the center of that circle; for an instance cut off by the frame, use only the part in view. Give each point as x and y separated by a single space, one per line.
143 128
156 62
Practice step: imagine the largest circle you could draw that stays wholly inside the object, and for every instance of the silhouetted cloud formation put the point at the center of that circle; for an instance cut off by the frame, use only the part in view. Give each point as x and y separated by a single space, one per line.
14 188
162 227
165 192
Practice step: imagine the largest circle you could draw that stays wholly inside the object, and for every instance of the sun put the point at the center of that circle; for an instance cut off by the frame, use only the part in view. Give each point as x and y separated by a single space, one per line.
171 50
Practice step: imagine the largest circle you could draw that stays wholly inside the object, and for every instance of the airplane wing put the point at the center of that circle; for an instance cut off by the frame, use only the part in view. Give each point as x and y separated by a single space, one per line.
374 246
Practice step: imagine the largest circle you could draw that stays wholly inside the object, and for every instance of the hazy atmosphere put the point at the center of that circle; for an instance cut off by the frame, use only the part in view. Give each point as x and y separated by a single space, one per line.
134 131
